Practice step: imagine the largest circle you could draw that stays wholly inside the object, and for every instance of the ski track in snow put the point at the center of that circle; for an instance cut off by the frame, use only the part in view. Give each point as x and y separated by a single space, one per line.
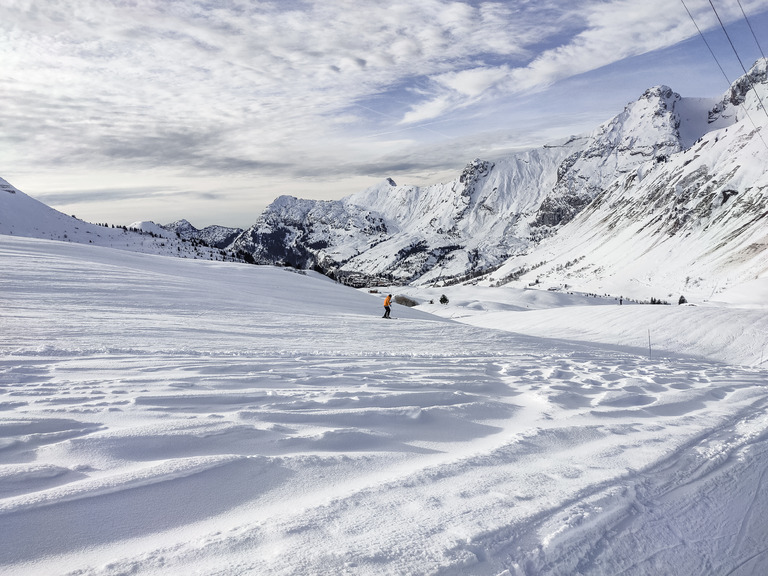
157 417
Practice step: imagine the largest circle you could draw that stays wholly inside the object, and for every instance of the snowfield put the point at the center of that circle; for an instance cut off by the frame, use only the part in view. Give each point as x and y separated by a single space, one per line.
169 416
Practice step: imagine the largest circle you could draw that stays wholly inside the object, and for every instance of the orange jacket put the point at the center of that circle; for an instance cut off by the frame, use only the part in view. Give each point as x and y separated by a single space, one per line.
387 300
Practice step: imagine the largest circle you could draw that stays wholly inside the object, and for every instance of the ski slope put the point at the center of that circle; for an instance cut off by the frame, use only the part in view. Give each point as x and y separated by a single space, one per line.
731 328
174 416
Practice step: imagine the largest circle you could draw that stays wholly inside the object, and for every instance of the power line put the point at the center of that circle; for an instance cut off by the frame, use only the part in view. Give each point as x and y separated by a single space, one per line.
751 29
707 43
714 56
746 74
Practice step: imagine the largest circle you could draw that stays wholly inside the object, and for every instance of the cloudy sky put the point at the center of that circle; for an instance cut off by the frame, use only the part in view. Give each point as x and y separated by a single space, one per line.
124 110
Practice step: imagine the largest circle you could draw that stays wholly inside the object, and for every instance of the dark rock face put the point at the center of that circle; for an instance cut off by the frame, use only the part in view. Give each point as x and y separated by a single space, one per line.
305 233
646 130
281 246
473 173
555 211
214 236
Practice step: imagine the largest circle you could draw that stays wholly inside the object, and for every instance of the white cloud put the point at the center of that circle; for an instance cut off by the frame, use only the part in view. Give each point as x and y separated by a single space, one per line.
609 32
473 82
455 90
428 110
615 31
250 72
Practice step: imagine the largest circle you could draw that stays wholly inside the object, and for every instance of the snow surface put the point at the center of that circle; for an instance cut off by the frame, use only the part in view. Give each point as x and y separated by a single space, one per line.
693 329
173 416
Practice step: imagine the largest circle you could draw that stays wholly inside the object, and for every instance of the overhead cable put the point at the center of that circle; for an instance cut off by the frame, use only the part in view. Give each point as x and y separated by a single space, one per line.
707 43
714 56
746 74
751 29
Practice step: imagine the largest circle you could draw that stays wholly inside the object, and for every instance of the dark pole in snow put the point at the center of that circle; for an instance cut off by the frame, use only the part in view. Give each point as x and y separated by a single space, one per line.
649 343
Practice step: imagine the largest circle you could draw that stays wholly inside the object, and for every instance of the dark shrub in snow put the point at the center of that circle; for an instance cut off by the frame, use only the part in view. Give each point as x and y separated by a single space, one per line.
405 301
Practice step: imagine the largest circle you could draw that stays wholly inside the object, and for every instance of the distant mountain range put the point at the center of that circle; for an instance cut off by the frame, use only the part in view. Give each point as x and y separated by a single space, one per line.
21 215
669 196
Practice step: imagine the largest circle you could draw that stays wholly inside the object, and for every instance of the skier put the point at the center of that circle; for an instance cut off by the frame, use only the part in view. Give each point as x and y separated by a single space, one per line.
387 303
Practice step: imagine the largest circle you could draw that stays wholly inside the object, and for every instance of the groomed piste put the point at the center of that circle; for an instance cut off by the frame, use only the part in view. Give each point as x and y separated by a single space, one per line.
171 416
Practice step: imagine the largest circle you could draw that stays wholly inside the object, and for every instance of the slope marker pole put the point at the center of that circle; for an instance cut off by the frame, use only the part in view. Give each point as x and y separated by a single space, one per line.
649 343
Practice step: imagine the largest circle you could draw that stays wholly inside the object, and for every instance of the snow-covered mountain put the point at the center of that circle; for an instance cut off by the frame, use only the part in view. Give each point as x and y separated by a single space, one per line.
406 233
214 236
22 215
661 173
692 221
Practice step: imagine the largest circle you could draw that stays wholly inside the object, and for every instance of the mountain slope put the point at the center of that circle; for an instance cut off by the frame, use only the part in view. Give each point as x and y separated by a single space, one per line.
408 233
694 223
22 215
170 416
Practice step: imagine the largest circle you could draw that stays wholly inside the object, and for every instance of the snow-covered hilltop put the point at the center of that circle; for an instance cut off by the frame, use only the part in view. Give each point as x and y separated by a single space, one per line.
663 168
22 215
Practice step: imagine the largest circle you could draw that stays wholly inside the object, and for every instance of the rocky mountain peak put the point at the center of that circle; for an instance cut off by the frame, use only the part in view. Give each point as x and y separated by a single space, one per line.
662 95
183 228
748 92
646 130
757 76
473 173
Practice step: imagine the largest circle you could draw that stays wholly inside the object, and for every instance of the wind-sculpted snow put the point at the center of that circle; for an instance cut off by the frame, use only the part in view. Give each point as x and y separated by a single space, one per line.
169 416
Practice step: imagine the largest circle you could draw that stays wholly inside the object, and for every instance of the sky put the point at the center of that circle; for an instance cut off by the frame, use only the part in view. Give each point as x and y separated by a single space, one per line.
124 110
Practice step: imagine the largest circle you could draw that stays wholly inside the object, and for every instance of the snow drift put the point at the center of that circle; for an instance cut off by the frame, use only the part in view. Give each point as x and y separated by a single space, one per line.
166 415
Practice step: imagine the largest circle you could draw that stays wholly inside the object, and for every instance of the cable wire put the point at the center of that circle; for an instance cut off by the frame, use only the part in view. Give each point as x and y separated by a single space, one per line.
714 56
751 29
707 43
746 74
